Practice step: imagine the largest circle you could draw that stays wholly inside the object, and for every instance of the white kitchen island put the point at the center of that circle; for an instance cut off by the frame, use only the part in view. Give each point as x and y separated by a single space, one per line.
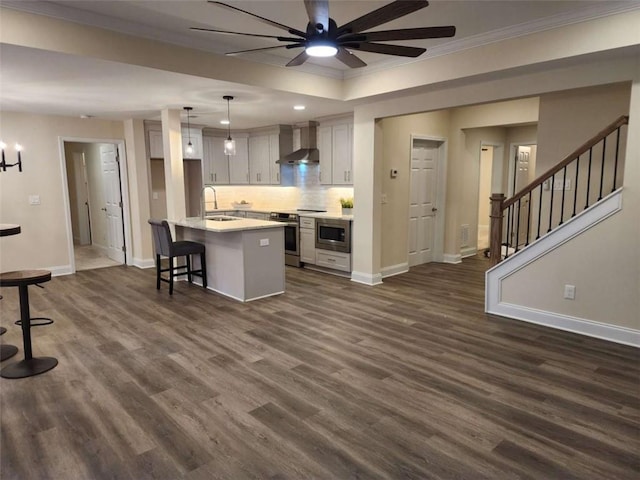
245 257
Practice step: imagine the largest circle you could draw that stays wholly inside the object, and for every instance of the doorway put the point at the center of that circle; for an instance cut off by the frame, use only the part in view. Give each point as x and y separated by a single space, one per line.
426 215
94 197
522 168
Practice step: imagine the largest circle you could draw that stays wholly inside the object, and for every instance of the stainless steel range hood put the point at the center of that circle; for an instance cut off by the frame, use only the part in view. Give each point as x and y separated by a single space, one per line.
308 152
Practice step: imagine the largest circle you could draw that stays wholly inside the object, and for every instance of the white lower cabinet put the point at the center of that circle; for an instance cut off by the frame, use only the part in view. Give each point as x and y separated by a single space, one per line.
336 260
308 240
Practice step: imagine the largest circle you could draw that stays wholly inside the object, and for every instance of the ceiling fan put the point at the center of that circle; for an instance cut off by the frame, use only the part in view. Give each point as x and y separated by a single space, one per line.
324 38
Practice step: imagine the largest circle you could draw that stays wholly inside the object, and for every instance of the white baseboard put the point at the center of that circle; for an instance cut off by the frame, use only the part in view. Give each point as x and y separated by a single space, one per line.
366 278
468 252
395 270
612 333
59 270
451 258
143 262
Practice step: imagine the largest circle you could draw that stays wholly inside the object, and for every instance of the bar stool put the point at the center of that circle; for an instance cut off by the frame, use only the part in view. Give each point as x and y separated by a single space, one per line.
164 246
30 365
6 351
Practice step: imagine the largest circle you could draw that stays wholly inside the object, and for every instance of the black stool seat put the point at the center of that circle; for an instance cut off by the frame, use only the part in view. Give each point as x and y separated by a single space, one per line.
164 246
30 365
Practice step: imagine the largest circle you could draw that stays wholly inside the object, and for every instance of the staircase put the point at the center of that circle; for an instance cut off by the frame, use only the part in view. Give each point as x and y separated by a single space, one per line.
545 218
575 184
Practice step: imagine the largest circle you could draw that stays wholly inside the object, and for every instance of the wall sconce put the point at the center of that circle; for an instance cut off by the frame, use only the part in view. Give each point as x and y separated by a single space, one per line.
229 143
189 148
4 164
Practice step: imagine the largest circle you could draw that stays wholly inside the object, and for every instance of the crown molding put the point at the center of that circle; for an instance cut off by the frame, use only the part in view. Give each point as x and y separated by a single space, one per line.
568 18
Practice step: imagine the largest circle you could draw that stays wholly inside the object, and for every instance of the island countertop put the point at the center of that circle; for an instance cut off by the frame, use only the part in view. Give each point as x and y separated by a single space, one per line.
235 225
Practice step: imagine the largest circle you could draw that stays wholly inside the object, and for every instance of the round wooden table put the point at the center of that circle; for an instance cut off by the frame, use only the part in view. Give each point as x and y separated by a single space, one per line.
7 351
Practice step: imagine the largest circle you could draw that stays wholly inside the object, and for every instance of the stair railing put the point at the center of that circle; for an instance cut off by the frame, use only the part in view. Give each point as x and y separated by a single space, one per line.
545 203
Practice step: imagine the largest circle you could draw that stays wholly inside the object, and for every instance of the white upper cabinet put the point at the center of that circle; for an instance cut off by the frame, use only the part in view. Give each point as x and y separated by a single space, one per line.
342 155
274 156
215 162
335 143
325 145
155 144
239 163
259 156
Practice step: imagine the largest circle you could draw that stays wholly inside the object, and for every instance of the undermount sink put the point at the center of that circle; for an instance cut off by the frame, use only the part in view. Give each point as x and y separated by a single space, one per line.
222 218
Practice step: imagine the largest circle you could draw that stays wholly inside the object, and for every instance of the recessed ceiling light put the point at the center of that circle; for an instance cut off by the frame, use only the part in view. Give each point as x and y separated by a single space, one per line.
299 107
225 122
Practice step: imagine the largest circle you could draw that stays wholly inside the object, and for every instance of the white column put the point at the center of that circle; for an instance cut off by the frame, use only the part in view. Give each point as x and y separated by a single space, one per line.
173 167
139 193
367 189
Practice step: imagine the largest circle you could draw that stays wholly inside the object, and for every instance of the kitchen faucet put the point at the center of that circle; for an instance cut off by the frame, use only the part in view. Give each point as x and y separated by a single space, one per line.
203 200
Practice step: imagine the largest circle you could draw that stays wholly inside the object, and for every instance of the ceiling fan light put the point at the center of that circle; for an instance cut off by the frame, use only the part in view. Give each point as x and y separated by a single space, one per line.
321 48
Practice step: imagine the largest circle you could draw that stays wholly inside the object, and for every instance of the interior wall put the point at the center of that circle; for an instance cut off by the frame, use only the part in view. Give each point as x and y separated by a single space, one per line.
158 189
607 282
484 193
43 242
396 140
69 149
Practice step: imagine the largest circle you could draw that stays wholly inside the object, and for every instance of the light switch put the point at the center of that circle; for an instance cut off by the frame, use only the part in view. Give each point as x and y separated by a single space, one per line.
384 198
570 292
34 199
264 242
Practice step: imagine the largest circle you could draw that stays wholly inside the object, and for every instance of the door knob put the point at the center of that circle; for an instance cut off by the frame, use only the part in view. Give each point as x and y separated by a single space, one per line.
434 209
104 209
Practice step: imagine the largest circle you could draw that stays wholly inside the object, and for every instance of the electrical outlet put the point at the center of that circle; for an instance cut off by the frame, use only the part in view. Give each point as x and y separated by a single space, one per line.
34 199
570 292
384 198
264 242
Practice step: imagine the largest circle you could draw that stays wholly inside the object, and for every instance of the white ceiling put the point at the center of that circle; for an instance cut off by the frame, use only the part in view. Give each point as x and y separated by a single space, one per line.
53 83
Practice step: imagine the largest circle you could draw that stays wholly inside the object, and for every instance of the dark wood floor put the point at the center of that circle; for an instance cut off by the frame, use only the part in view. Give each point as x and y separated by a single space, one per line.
332 380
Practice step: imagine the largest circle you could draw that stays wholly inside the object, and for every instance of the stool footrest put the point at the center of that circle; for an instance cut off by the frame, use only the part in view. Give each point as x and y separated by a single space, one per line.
36 321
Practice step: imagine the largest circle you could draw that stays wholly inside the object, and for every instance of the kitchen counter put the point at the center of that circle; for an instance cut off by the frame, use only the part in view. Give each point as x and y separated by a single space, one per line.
330 216
237 224
245 257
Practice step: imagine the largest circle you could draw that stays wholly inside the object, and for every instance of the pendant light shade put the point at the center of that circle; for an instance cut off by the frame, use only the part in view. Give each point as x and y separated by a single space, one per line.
229 143
189 148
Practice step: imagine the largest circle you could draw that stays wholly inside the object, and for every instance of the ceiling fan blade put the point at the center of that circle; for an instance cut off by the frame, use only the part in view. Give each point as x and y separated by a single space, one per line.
385 14
227 32
402 34
291 30
263 48
298 59
318 11
399 50
349 59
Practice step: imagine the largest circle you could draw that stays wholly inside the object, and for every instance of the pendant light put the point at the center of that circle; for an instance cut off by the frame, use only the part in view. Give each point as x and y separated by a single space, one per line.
229 143
189 149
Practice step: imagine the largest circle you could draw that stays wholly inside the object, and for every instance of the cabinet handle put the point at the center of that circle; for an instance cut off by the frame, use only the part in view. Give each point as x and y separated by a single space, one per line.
345 175
278 177
215 177
348 175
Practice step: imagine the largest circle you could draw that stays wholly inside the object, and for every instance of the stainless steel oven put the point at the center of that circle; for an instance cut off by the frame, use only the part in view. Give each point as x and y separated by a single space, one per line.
291 236
333 234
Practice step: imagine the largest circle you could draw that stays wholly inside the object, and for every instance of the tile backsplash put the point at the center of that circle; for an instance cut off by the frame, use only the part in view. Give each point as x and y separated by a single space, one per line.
307 192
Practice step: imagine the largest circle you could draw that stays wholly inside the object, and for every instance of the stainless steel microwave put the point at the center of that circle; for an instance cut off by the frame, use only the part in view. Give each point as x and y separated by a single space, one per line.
333 234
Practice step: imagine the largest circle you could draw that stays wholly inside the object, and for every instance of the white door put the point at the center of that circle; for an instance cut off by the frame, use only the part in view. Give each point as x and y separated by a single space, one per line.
113 202
422 206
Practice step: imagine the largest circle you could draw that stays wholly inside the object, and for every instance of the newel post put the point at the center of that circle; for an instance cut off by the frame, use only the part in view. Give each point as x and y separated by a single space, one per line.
495 229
